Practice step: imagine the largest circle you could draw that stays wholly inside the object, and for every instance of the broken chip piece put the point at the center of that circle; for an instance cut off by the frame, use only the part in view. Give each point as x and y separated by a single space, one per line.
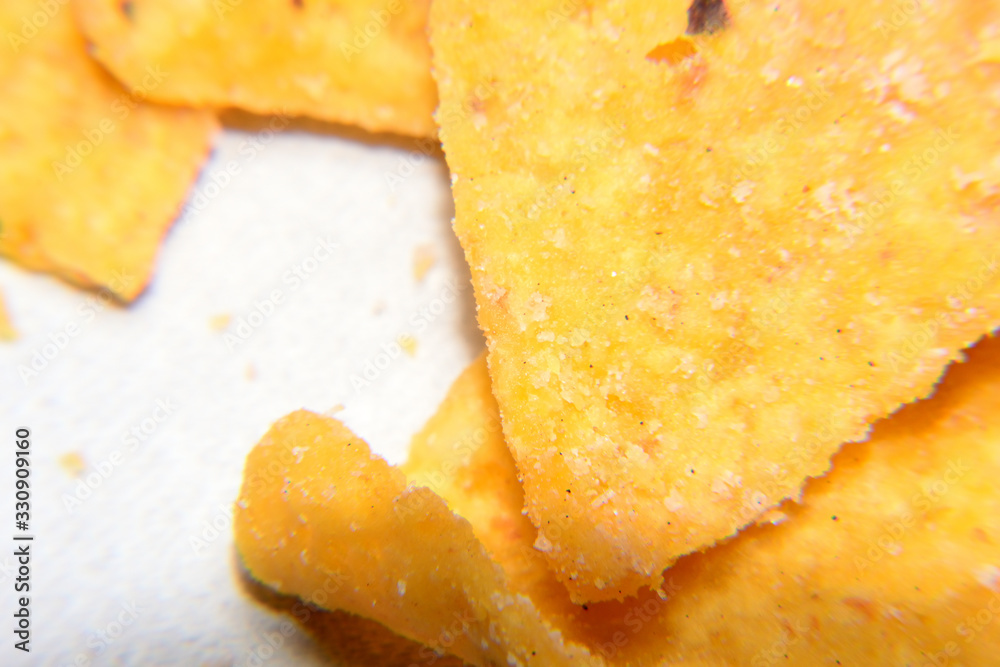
702 271
360 62
92 176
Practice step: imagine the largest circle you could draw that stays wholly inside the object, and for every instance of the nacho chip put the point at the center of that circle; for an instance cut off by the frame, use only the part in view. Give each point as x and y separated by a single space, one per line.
320 517
859 572
892 558
361 62
92 176
701 271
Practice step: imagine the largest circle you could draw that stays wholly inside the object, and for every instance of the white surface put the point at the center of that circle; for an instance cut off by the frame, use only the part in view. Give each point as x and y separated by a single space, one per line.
130 541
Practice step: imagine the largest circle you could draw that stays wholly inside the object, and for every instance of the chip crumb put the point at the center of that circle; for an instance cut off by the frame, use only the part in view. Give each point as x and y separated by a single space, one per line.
72 463
602 499
538 306
7 330
250 373
408 343
424 258
542 543
219 322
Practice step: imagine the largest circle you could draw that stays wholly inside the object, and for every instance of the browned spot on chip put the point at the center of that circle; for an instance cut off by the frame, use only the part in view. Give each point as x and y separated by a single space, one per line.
674 51
707 16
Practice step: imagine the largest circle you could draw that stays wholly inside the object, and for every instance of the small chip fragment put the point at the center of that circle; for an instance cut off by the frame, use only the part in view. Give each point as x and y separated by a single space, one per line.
408 343
7 330
359 62
703 266
219 322
92 176
424 258
72 463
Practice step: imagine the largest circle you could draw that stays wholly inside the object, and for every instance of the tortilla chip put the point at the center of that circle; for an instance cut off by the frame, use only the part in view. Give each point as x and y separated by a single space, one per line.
321 517
361 62
7 330
700 272
877 543
92 177
892 558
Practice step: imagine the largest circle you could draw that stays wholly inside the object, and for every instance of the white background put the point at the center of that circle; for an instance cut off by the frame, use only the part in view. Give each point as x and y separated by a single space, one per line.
129 542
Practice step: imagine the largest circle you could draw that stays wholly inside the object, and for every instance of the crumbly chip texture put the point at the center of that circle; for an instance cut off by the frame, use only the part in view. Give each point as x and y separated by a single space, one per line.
359 62
92 176
892 558
321 517
706 255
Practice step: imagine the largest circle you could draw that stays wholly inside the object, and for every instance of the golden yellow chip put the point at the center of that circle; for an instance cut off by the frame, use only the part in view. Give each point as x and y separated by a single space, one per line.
701 271
892 558
860 572
320 517
362 62
92 176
